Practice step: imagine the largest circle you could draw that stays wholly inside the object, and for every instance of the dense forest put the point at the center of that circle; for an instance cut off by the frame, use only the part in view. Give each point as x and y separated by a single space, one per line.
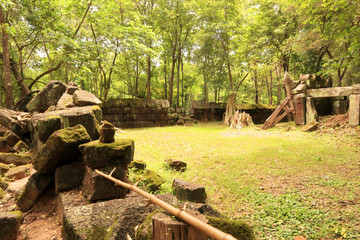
180 50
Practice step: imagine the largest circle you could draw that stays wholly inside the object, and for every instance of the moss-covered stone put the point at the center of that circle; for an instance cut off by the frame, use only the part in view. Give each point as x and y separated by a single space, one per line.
96 154
15 158
152 180
248 106
19 172
48 126
60 148
137 165
87 119
4 146
10 224
237 228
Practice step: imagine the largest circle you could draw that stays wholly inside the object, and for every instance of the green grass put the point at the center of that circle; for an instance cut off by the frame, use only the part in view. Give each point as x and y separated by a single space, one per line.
284 183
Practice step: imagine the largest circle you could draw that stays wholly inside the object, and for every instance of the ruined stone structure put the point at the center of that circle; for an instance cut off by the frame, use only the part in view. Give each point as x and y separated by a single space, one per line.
311 103
134 113
215 111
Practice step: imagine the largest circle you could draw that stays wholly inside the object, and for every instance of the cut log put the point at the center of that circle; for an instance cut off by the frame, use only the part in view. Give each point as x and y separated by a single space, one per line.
166 227
241 120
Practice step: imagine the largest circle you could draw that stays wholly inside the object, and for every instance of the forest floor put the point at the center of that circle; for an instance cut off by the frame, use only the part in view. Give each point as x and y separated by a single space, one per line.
283 181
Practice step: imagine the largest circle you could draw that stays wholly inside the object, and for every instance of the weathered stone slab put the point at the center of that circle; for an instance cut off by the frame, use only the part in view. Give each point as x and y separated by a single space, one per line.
66 101
15 158
85 98
19 172
330 92
36 185
69 176
96 154
96 187
60 148
339 106
354 110
310 126
47 97
299 105
10 224
187 191
113 218
311 113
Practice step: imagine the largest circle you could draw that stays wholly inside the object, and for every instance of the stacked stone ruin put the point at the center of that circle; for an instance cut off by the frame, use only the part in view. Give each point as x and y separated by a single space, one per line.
312 90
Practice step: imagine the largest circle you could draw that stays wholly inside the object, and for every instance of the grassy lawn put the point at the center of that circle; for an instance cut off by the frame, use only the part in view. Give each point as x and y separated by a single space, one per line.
284 183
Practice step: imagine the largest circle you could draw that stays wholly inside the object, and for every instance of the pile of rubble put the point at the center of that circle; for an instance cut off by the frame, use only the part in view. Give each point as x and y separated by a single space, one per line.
67 144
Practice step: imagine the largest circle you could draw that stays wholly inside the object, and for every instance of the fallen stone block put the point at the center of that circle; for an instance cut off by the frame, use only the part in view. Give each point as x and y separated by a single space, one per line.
96 187
310 126
111 219
85 98
66 101
152 180
69 176
45 125
187 191
36 185
47 97
176 165
10 224
96 154
19 172
60 148
15 158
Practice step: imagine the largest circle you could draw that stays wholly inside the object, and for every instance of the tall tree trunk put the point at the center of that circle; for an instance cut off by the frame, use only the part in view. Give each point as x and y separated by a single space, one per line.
137 77
9 100
256 87
205 88
270 92
178 80
182 82
148 93
165 75
171 82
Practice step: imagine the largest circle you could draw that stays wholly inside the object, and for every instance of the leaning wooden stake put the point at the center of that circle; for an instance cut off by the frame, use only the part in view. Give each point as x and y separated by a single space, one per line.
196 223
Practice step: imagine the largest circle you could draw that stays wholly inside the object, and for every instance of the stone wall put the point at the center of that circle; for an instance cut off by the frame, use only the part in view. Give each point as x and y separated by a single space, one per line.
215 111
136 113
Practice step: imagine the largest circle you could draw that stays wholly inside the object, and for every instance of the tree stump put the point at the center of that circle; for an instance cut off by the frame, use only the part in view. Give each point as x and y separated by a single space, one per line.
167 227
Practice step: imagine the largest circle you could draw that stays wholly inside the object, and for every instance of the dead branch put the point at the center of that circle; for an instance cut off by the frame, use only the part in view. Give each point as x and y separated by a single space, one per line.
196 223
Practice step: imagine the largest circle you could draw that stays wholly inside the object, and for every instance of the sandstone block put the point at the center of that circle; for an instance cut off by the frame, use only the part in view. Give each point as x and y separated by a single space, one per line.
176 165
3 168
85 98
354 110
11 138
96 154
99 188
187 191
87 119
9 224
19 172
60 148
4 146
15 158
36 185
69 176
21 147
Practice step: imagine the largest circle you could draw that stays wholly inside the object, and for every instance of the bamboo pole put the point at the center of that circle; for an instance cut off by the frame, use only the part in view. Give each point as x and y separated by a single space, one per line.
181 214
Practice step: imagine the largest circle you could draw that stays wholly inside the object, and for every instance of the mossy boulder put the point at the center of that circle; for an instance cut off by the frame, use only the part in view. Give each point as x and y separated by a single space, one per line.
9 224
137 165
36 185
188 191
47 126
237 228
60 148
19 172
15 158
152 180
96 154
11 138
85 98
